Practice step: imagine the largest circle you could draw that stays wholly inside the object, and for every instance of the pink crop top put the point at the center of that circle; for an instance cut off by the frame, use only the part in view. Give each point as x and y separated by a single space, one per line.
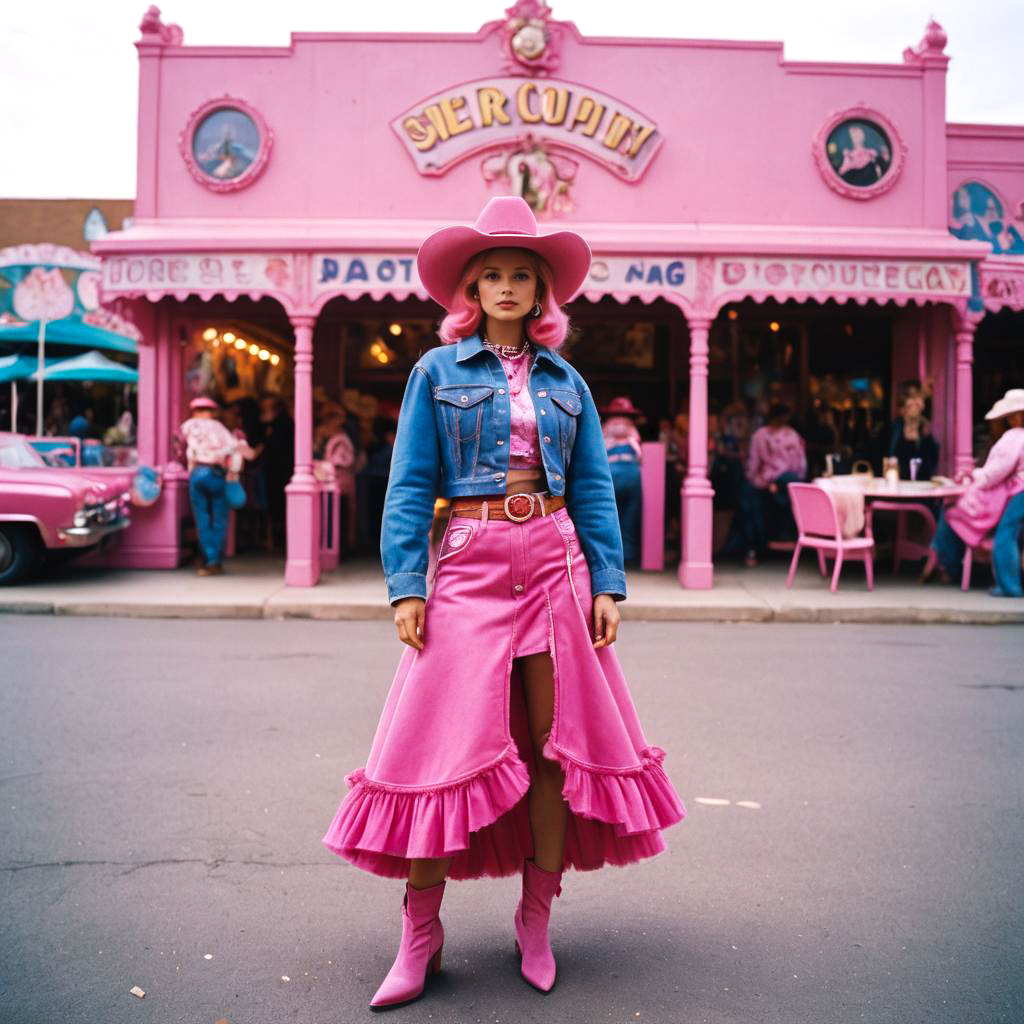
524 444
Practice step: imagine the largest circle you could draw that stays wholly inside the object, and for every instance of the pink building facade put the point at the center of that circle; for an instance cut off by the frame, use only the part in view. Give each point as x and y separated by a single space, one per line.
284 192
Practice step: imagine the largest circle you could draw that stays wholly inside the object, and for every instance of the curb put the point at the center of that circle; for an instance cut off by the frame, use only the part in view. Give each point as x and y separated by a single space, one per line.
335 612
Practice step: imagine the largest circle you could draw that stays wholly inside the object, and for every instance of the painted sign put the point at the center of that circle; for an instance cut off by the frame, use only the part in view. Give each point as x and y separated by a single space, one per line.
346 271
200 272
639 275
465 119
842 276
1002 287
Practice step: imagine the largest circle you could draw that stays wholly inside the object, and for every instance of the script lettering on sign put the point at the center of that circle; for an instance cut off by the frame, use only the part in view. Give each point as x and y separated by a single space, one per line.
200 272
896 278
469 118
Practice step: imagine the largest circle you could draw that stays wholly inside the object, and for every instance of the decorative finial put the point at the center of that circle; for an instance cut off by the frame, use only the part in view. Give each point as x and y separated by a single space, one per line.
155 31
932 44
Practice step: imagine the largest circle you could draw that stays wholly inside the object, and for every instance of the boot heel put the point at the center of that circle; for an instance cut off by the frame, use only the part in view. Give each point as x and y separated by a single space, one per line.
434 966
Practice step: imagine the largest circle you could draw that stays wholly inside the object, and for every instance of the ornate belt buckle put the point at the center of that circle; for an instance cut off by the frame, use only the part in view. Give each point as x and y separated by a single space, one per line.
520 502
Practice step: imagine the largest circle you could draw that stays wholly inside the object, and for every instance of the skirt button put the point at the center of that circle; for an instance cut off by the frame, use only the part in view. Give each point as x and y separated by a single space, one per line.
518 588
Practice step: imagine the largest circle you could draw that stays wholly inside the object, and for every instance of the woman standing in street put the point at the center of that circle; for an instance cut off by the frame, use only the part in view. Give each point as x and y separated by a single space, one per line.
509 741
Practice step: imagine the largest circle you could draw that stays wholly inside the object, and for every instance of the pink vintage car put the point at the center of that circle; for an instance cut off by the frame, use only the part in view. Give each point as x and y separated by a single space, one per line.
48 511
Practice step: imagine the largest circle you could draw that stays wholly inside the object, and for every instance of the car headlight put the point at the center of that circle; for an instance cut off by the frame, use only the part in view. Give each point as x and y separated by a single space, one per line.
81 518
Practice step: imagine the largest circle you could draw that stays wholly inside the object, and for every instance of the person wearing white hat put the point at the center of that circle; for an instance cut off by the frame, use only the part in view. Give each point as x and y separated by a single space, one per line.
209 446
995 498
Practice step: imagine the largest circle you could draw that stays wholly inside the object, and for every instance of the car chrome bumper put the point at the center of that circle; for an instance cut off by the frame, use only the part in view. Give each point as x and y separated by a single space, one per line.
84 536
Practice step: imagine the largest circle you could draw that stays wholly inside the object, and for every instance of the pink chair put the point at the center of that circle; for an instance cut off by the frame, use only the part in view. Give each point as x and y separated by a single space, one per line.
818 524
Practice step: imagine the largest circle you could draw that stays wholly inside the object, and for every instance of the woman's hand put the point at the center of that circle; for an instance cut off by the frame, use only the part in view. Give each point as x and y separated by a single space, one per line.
606 620
409 620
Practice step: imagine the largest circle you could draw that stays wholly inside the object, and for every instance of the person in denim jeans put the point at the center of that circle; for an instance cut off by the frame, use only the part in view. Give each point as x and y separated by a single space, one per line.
476 768
209 445
995 498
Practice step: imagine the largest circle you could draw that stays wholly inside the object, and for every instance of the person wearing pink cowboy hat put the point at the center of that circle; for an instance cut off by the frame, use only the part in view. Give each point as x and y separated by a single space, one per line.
475 770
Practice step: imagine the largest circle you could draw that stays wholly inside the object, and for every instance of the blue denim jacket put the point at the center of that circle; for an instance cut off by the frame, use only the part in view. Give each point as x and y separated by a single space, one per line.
453 440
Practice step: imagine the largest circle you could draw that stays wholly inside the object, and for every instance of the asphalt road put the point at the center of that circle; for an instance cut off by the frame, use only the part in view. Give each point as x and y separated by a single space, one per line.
165 785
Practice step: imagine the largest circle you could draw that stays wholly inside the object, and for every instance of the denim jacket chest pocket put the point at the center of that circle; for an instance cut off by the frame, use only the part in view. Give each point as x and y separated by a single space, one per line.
462 408
568 405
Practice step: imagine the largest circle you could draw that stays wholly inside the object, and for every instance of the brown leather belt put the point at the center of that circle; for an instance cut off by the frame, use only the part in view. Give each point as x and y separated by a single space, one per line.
515 508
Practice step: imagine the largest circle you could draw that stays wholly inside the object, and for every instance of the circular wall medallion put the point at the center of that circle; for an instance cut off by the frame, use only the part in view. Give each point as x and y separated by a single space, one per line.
226 144
859 153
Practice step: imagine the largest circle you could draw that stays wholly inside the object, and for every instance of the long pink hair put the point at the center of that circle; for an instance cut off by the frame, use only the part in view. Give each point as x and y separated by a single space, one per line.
549 329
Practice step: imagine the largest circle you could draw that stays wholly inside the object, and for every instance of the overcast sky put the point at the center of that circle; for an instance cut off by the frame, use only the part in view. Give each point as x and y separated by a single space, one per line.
69 70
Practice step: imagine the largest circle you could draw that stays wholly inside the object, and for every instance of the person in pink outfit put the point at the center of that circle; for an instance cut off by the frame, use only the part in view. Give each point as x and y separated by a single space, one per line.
777 456
994 499
508 743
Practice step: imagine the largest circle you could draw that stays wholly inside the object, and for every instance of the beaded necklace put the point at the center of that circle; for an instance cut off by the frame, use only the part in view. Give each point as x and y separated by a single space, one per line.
507 351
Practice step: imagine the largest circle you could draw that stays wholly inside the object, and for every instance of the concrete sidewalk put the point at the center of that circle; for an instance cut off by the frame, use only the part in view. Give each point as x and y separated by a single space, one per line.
253 588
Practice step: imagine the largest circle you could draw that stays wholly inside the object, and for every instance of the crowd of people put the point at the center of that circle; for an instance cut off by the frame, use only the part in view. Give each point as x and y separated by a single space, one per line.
752 460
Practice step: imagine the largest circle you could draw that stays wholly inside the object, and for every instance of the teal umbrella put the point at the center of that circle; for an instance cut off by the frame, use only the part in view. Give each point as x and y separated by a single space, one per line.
50 293
89 366
13 369
69 331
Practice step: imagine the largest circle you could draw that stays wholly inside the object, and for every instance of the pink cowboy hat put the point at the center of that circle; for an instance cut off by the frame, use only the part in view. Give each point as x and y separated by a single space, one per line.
202 402
505 221
621 406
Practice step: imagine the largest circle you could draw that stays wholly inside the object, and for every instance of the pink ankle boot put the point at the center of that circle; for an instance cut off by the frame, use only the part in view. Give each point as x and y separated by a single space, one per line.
531 920
420 950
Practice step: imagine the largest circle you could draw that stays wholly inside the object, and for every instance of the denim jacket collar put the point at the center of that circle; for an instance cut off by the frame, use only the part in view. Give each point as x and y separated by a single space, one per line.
468 347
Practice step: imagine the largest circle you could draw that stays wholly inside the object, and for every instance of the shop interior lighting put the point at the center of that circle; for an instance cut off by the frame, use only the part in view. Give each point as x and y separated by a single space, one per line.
376 348
216 342
274 359
209 334
229 337
395 329
382 357
732 314
254 350
264 354
773 326
239 342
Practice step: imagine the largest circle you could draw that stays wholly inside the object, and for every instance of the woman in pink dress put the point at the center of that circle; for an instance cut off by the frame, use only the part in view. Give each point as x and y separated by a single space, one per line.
509 742
994 499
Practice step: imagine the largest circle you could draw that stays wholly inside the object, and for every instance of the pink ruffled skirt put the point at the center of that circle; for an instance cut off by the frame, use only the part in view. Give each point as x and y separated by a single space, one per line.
451 760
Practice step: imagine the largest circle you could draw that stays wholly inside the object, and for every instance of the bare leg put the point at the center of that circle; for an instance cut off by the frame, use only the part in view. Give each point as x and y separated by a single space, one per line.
428 871
549 812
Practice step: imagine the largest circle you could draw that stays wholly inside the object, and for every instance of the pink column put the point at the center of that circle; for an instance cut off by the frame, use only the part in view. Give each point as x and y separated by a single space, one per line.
652 479
302 568
963 450
695 569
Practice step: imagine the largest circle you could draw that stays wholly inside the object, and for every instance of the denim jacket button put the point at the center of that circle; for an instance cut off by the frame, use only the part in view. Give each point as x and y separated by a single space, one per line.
557 477
464 398
543 412
500 441
546 438
501 391
542 394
